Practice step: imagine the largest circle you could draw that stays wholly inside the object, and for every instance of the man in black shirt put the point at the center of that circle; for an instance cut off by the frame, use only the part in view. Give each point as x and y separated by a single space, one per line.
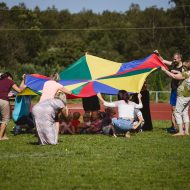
177 65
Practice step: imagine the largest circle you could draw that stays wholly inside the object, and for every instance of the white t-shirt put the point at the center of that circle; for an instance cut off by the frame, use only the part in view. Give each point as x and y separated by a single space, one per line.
125 110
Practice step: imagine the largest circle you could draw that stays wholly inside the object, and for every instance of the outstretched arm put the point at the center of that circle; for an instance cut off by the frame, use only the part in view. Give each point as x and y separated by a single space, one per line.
177 76
100 97
22 85
161 58
65 90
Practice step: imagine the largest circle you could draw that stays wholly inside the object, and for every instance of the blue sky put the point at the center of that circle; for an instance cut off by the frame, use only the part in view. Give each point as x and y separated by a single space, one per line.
97 6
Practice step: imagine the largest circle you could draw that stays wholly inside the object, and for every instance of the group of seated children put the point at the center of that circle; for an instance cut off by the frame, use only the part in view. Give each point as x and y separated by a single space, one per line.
96 122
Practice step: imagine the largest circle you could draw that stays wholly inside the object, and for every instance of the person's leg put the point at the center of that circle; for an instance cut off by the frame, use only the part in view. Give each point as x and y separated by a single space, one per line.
186 115
186 125
122 125
173 117
5 115
57 129
114 121
3 135
179 115
127 134
67 128
173 99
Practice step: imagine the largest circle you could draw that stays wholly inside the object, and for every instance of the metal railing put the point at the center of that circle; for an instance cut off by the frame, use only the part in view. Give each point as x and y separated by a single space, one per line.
158 95
155 96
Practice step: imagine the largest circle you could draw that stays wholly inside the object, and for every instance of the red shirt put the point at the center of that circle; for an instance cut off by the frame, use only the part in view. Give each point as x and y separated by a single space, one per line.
75 123
5 87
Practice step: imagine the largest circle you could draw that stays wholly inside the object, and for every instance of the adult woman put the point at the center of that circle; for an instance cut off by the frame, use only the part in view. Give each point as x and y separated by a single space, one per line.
6 83
183 98
125 119
51 87
45 114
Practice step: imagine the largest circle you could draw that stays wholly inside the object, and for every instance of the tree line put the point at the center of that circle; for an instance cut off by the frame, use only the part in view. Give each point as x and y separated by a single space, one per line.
47 41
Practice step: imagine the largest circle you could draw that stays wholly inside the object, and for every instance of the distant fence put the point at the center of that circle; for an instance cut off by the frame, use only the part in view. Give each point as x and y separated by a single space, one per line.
159 96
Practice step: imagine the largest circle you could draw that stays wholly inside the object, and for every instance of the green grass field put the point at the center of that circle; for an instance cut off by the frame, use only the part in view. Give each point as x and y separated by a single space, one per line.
148 160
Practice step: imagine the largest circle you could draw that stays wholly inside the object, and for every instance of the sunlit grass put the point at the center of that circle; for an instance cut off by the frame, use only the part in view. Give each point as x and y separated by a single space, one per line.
148 160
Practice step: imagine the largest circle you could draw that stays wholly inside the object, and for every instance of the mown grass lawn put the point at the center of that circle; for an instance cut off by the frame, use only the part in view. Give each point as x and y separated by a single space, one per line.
148 160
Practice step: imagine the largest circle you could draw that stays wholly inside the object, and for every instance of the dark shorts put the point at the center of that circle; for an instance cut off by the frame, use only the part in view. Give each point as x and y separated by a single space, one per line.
173 97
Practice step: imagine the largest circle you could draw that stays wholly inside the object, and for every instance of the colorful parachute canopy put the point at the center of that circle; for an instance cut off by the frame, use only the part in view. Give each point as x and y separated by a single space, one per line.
130 76
149 62
90 75
36 82
90 67
129 81
28 92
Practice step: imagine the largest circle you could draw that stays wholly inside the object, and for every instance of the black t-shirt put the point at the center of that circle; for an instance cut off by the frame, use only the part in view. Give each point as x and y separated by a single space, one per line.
174 82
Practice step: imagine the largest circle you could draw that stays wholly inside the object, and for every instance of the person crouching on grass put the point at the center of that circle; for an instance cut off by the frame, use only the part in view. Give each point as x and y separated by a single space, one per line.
46 114
125 121
183 98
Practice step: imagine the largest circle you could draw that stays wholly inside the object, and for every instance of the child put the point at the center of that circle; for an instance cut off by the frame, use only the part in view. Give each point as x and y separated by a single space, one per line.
75 122
84 127
96 123
25 122
138 120
65 125
107 120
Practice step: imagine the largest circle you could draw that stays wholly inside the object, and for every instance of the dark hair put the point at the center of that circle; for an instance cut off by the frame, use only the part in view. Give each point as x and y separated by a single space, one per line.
76 115
5 75
123 95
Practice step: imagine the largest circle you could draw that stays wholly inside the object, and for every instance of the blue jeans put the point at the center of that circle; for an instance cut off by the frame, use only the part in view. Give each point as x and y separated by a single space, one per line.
122 124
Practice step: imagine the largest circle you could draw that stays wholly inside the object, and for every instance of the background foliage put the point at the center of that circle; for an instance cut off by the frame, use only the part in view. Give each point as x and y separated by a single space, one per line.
36 41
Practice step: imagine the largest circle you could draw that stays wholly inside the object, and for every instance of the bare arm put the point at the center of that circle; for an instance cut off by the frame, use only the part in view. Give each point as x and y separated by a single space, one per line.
139 122
140 105
65 111
167 62
177 76
15 87
65 90
161 58
175 72
22 85
100 97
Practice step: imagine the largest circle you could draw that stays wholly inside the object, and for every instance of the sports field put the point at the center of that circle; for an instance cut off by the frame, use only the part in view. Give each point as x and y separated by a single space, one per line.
148 160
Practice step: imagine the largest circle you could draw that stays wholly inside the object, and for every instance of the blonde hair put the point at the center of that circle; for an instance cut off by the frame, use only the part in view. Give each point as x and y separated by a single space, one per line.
55 77
187 64
60 95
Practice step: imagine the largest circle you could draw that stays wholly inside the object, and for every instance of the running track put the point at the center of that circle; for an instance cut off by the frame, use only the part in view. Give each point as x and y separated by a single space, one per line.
159 111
